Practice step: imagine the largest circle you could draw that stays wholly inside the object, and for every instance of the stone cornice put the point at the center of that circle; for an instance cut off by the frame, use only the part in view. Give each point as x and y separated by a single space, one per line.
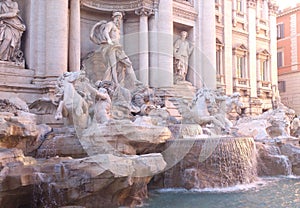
288 11
120 5
186 11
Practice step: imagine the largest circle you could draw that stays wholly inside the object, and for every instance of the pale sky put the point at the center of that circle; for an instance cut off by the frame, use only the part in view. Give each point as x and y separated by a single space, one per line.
286 3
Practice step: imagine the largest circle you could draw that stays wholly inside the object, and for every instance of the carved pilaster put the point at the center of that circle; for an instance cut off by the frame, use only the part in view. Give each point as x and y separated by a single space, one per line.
251 3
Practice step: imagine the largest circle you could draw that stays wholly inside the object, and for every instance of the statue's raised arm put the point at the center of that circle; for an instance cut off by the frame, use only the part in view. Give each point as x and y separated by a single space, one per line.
118 66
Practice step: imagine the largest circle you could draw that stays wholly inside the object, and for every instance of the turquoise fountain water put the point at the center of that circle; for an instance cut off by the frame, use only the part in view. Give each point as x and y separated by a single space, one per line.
268 193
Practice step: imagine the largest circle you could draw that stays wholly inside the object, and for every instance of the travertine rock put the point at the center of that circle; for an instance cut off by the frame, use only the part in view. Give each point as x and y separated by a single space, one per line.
271 162
116 137
123 137
62 142
293 153
20 131
113 181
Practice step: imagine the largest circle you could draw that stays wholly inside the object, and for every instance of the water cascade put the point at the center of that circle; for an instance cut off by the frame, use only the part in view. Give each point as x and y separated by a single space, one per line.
211 162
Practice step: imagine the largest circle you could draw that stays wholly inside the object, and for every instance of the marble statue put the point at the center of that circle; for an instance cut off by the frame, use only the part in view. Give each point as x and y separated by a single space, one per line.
102 106
11 29
210 109
182 52
118 66
221 108
72 105
203 111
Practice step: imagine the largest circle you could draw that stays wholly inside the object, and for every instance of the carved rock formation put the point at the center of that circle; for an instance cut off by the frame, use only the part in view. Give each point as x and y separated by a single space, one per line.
19 130
123 137
271 162
113 181
293 153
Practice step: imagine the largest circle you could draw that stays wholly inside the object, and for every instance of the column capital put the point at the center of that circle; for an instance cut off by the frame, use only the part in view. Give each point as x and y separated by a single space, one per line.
273 8
251 3
144 12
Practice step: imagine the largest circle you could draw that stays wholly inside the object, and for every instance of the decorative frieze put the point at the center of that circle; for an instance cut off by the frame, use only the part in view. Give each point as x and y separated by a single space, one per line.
121 5
185 13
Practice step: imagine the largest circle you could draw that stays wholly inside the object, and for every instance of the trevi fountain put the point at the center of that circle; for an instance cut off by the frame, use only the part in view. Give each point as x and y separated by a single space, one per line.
80 126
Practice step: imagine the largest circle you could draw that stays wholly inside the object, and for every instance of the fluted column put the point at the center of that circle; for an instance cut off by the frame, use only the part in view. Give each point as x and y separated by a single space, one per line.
143 46
251 4
56 37
74 38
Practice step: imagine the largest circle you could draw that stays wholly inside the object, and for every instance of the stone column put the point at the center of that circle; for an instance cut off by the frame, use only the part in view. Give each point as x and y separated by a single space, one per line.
273 43
153 46
161 75
233 3
74 38
228 63
143 46
56 38
36 44
208 43
251 4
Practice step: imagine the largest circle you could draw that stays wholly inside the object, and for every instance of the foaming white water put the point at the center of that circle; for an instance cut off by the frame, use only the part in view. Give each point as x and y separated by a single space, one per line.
236 188
281 177
173 190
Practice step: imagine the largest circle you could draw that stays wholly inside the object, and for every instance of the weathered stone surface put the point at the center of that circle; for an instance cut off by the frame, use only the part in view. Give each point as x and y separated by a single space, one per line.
20 131
271 162
114 181
180 131
123 137
117 137
293 153
12 105
61 142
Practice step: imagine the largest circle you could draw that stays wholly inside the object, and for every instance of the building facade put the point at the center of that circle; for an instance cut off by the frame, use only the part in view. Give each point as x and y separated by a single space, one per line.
288 53
234 44
246 51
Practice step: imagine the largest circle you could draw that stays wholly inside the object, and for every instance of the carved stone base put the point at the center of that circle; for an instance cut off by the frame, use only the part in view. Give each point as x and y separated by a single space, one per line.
17 81
182 90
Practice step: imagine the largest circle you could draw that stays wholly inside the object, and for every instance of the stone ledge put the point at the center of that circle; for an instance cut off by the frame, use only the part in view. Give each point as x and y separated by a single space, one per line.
15 74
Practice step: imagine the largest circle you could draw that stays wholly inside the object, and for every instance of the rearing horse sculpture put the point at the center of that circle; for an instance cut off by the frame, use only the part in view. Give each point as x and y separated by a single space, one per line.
200 111
72 106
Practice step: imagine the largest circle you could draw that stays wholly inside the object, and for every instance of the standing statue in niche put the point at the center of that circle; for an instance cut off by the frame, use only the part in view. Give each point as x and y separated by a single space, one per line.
182 52
11 29
118 66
